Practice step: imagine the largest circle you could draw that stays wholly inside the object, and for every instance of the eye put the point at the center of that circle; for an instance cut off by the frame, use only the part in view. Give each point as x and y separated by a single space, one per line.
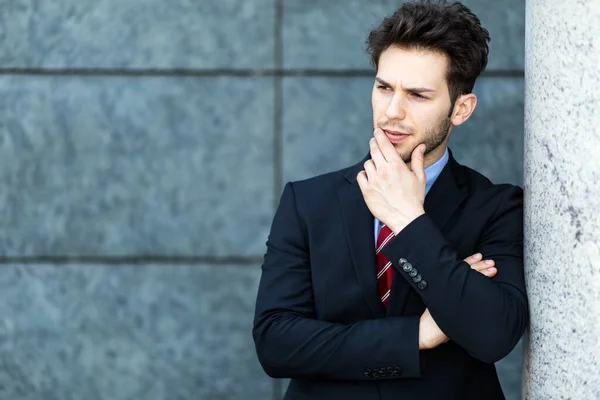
419 96
382 87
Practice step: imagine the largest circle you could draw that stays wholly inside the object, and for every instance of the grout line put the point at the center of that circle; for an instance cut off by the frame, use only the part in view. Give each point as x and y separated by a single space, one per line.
138 260
278 133
277 389
278 72
278 106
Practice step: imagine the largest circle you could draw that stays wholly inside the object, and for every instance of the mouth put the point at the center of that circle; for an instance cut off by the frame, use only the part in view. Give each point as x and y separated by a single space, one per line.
395 137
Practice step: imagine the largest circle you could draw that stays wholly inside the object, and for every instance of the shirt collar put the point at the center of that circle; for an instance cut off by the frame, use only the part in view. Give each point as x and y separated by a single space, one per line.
434 170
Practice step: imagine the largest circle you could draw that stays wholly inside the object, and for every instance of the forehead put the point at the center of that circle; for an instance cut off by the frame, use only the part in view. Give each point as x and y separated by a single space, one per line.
411 67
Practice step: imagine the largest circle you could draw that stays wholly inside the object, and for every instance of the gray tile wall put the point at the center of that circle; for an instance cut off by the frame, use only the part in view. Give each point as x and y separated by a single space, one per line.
143 147
331 34
118 166
125 331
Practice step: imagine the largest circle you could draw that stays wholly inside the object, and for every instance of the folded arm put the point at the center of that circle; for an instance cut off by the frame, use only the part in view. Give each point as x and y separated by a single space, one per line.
485 316
291 343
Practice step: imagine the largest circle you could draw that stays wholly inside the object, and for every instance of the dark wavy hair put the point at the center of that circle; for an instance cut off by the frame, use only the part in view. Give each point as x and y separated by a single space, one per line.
449 28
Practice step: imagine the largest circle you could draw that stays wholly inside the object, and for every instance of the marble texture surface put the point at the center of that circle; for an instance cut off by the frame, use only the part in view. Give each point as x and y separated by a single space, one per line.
331 34
562 223
134 34
327 126
152 332
121 166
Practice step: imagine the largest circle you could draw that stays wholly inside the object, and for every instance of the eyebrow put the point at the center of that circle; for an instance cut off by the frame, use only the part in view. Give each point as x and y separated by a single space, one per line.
412 89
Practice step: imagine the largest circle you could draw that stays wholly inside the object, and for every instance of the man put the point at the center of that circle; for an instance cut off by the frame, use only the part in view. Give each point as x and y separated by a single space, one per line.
364 292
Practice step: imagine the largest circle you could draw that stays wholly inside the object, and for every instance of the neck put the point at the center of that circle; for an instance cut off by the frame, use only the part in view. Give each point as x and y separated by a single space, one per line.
435 155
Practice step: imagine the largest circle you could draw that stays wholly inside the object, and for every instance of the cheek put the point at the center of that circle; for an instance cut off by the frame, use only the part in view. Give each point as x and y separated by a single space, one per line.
425 118
378 105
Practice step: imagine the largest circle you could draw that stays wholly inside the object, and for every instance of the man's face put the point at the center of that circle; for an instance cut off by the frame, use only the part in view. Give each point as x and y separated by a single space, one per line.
411 102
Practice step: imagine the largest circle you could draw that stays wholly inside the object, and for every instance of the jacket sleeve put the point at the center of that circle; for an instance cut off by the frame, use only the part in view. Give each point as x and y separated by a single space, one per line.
291 343
486 317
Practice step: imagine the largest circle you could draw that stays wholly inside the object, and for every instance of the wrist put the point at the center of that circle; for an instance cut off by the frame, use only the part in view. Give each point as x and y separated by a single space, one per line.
422 342
403 221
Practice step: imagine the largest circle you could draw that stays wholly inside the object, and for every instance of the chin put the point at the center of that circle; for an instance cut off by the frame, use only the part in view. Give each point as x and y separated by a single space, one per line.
404 152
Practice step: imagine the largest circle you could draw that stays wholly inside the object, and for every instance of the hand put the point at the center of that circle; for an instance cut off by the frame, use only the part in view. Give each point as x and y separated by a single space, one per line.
393 192
430 334
486 267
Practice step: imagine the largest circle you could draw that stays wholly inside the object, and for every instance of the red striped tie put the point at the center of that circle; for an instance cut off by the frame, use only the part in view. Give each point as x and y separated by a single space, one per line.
385 271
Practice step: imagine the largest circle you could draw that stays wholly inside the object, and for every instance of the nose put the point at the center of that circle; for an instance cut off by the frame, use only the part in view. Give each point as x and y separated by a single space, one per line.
396 109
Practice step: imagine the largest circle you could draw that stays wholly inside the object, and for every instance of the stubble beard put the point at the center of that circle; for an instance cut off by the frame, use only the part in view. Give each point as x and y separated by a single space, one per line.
433 139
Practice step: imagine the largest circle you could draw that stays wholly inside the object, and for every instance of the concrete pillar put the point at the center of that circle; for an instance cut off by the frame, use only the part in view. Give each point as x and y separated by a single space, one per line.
562 199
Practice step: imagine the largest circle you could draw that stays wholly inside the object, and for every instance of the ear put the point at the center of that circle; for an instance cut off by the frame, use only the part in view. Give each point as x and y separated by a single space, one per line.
463 108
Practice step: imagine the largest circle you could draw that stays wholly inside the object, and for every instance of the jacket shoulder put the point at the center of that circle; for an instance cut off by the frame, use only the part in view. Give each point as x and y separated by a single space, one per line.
323 183
483 188
317 193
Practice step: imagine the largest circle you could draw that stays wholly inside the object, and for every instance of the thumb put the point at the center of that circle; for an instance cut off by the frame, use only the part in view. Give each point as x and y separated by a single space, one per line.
417 163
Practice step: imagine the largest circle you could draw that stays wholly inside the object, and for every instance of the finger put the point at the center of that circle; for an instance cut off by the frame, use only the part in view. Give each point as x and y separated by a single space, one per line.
387 148
370 169
363 181
484 269
490 272
417 163
482 265
376 154
473 259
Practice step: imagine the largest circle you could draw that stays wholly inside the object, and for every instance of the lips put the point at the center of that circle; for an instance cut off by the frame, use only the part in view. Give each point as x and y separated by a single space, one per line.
395 137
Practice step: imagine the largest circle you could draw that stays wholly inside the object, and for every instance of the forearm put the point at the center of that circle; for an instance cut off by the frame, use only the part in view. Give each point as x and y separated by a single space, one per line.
294 346
484 316
292 343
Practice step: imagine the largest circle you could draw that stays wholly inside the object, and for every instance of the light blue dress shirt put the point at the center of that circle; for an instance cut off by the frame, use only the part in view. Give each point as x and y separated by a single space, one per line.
431 174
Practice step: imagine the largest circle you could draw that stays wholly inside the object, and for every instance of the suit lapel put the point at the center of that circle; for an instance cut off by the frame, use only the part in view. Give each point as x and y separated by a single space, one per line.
446 194
442 200
359 228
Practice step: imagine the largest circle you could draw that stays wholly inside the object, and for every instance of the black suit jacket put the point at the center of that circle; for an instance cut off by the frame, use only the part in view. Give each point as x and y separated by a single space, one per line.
319 319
